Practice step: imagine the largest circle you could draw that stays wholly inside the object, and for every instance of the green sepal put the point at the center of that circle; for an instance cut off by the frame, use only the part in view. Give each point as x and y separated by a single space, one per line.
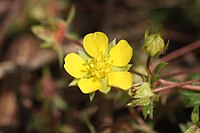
145 111
195 115
105 88
144 91
121 69
110 46
148 111
74 82
143 96
139 102
84 55
91 96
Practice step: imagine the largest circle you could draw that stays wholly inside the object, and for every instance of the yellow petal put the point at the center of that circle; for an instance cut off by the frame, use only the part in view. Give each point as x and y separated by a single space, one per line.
88 85
74 65
121 54
121 80
96 43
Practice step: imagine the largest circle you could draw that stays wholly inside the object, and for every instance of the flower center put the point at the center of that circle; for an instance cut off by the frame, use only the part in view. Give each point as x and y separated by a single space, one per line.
99 67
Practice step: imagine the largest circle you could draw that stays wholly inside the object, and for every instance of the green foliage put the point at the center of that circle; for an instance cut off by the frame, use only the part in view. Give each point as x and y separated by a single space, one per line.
193 129
148 111
105 88
153 45
191 98
143 96
159 67
195 115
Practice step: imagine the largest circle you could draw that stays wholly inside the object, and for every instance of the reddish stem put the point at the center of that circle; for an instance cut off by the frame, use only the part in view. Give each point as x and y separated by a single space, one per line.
174 85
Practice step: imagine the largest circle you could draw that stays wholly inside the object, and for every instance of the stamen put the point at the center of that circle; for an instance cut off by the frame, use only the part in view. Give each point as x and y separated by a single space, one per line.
99 67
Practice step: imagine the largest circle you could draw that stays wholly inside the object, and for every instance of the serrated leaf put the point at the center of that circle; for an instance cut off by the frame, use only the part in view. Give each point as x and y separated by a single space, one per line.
84 55
195 115
159 67
74 82
91 96
121 69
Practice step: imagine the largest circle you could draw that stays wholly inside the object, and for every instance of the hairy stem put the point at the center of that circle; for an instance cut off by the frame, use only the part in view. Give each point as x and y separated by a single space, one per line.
184 85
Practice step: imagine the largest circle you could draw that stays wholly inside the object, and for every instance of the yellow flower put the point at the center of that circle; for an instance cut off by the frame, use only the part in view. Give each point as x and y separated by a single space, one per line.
102 66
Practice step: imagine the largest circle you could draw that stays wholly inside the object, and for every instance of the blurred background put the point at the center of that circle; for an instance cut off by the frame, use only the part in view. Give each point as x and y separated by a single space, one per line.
34 92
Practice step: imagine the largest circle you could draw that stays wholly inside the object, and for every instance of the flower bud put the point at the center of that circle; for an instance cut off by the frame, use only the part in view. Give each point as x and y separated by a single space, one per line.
153 45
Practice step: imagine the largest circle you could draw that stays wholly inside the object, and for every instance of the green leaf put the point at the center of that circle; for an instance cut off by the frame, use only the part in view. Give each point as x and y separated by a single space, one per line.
193 129
159 67
192 98
91 95
195 115
84 55
74 82
121 69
